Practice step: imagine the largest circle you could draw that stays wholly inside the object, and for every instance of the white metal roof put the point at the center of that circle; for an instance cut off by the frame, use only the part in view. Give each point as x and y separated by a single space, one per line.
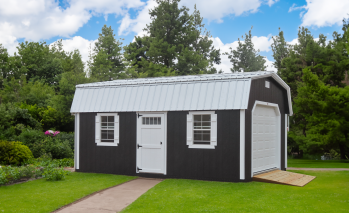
178 93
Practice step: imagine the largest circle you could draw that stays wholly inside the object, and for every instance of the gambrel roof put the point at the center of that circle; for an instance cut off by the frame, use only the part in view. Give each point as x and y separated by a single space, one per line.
177 93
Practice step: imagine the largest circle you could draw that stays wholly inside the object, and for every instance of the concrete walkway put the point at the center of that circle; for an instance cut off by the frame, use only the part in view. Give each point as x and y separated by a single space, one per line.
113 199
318 169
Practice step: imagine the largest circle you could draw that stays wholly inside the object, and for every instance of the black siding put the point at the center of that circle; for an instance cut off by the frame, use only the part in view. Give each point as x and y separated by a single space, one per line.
219 164
108 159
275 94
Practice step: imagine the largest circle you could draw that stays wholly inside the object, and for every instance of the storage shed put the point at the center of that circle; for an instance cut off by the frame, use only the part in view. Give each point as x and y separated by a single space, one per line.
221 127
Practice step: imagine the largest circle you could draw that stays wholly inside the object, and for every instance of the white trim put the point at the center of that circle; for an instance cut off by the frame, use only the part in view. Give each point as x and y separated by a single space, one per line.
277 111
98 137
164 142
286 130
77 140
190 130
200 146
242 144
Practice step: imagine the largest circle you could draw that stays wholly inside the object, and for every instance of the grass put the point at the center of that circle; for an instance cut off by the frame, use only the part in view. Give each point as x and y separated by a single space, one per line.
304 163
329 192
46 196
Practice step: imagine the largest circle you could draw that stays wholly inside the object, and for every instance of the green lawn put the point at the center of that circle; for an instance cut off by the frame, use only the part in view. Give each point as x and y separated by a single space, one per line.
46 196
303 163
329 192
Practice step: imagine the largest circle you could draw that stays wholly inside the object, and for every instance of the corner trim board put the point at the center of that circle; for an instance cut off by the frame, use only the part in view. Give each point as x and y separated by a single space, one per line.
242 144
286 130
77 140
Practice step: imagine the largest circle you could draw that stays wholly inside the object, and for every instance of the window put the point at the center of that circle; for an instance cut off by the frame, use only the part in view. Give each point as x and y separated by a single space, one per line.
267 84
151 120
107 129
202 129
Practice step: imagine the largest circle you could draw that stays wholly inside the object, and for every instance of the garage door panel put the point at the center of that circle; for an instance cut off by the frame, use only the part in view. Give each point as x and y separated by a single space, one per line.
264 138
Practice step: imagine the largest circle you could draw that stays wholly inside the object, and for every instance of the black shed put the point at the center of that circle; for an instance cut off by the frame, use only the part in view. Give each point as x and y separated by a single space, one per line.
221 127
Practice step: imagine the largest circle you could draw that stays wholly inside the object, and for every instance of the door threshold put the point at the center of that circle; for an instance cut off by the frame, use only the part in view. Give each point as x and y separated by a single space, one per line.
264 171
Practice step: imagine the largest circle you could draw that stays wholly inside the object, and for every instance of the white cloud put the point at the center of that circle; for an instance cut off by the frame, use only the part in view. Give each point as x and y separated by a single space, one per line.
270 66
271 2
211 10
42 19
139 23
262 43
293 42
79 43
216 10
322 13
7 39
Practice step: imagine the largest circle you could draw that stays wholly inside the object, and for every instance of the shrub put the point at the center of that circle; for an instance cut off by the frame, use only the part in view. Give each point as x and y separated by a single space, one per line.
54 174
27 171
59 149
59 146
66 162
66 137
14 152
11 173
3 179
34 140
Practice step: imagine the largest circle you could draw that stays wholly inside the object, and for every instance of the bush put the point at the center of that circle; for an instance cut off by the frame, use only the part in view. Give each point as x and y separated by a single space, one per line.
66 162
3 179
59 146
9 174
66 137
32 138
14 152
54 174
27 171
59 149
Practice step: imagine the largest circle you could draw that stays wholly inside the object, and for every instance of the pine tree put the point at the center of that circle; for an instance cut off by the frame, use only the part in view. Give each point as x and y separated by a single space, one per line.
4 69
175 42
107 59
245 58
327 111
280 49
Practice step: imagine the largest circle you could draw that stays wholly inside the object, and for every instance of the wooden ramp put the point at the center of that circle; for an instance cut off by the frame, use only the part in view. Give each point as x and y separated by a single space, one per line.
284 177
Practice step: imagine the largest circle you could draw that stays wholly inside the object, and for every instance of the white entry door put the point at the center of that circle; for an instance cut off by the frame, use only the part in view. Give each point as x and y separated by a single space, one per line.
265 138
151 143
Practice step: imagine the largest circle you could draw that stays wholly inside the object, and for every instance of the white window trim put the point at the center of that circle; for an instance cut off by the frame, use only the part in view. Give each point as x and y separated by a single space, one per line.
190 130
98 129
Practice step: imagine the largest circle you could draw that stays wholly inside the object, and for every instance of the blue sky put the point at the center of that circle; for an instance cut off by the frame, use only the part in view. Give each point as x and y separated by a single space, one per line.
78 22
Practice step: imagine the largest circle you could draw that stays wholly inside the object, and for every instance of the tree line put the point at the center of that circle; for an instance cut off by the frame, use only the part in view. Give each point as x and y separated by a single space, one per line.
38 82
316 70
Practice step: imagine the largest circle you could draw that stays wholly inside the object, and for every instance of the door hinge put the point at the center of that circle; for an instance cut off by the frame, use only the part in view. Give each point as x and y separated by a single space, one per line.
139 115
138 169
139 146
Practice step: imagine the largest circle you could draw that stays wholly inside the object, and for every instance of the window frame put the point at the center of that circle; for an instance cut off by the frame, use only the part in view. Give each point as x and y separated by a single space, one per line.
190 130
98 129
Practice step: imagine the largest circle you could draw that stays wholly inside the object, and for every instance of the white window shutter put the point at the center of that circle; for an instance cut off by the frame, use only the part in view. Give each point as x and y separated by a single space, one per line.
98 128
116 130
189 129
214 129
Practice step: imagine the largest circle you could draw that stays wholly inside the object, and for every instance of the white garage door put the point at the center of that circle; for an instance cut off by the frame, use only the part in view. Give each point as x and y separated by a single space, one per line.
265 153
